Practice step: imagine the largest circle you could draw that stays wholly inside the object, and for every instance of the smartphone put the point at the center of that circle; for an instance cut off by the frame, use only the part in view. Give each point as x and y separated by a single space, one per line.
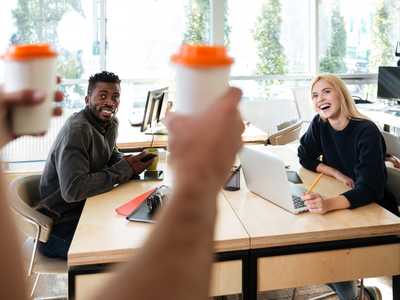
233 182
148 157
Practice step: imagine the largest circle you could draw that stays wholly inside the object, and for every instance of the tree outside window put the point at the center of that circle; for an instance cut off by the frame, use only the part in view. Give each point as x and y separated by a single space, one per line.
382 50
37 21
267 34
198 20
333 61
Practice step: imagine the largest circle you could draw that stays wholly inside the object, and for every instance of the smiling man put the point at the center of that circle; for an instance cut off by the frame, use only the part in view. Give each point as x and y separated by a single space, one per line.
84 161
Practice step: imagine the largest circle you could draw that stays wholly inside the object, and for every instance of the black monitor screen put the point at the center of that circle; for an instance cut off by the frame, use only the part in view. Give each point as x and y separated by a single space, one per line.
389 83
156 106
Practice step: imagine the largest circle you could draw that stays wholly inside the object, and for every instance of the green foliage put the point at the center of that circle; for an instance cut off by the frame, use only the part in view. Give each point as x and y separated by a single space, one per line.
333 62
37 21
267 32
198 20
382 52
227 27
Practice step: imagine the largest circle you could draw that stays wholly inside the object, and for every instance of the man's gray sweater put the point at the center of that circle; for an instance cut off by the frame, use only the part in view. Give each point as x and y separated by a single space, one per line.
83 161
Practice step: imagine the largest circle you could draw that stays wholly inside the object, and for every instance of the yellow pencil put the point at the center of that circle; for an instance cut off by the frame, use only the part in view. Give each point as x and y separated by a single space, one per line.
314 184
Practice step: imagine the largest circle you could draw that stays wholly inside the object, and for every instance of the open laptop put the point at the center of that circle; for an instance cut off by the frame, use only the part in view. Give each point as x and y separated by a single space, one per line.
266 176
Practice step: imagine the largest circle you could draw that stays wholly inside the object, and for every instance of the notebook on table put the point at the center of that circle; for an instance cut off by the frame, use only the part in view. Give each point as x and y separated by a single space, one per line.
128 207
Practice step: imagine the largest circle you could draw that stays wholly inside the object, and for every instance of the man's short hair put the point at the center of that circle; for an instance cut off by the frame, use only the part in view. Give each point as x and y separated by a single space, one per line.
102 77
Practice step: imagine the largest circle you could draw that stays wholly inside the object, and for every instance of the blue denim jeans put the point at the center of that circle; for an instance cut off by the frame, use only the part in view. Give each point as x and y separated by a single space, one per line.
59 241
346 290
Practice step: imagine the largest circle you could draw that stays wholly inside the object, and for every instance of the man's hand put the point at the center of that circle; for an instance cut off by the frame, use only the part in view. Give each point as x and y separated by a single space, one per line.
140 162
20 98
203 147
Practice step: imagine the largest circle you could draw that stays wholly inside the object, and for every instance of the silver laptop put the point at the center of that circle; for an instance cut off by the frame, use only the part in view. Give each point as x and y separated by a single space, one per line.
266 176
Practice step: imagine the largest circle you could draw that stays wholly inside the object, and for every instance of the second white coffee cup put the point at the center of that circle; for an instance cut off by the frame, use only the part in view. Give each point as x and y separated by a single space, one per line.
202 76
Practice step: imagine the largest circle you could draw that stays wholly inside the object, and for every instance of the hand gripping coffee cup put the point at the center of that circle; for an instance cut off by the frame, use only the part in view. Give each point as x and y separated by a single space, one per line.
31 66
202 76
154 164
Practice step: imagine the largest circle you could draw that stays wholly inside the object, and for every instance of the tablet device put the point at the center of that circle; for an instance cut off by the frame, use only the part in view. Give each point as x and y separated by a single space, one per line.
141 214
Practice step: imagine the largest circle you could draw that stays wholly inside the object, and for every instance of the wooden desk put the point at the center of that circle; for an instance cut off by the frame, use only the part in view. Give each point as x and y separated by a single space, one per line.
259 246
131 138
289 250
104 238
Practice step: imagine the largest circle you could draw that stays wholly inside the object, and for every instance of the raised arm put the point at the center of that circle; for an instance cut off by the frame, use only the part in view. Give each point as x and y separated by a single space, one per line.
12 276
175 262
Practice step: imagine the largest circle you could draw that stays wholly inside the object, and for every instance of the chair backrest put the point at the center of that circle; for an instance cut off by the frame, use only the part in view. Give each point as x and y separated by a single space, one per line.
393 183
286 135
25 196
267 114
303 103
286 124
392 143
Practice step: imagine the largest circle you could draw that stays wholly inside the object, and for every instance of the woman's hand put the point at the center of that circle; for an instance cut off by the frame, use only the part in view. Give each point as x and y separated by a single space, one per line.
345 179
315 203
394 160
21 98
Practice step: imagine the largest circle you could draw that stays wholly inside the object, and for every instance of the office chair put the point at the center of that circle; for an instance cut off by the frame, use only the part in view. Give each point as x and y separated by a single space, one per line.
35 227
393 183
393 147
392 143
285 135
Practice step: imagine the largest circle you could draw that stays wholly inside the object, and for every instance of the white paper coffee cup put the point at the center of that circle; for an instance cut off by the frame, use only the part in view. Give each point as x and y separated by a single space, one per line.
31 66
202 76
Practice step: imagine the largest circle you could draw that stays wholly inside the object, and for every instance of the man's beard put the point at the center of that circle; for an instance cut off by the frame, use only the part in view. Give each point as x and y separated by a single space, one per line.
98 111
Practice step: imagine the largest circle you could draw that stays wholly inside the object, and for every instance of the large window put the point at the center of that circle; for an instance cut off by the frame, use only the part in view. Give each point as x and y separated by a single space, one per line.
276 44
142 35
269 36
67 24
357 36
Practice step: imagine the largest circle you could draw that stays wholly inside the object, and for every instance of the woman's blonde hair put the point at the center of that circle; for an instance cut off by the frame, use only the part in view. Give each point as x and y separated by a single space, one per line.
347 105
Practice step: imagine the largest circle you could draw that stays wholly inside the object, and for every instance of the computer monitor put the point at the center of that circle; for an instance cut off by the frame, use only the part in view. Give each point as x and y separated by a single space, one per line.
389 83
155 109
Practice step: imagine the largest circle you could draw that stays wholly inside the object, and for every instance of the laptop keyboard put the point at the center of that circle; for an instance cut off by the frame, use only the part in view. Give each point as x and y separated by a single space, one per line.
298 202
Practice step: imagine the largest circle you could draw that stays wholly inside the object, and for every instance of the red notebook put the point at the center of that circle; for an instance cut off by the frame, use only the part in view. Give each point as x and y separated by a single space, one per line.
127 208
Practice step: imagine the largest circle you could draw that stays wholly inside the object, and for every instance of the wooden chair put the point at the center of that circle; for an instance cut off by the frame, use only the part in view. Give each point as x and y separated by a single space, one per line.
285 135
35 227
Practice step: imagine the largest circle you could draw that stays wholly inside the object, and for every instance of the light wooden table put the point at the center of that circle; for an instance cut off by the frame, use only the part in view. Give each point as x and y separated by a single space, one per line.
289 250
131 138
259 246
104 238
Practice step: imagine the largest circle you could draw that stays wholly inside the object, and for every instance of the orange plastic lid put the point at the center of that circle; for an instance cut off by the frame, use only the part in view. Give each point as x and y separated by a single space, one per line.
202 56
29 51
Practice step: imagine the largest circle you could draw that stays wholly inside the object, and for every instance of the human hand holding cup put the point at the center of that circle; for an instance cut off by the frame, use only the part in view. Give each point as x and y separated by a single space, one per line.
154 164
31 67
202 77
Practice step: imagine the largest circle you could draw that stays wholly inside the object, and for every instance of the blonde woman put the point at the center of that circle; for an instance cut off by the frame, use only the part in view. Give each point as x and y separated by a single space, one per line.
353 151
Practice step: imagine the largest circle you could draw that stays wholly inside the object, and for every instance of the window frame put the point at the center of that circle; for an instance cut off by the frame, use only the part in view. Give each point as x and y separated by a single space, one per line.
217 37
